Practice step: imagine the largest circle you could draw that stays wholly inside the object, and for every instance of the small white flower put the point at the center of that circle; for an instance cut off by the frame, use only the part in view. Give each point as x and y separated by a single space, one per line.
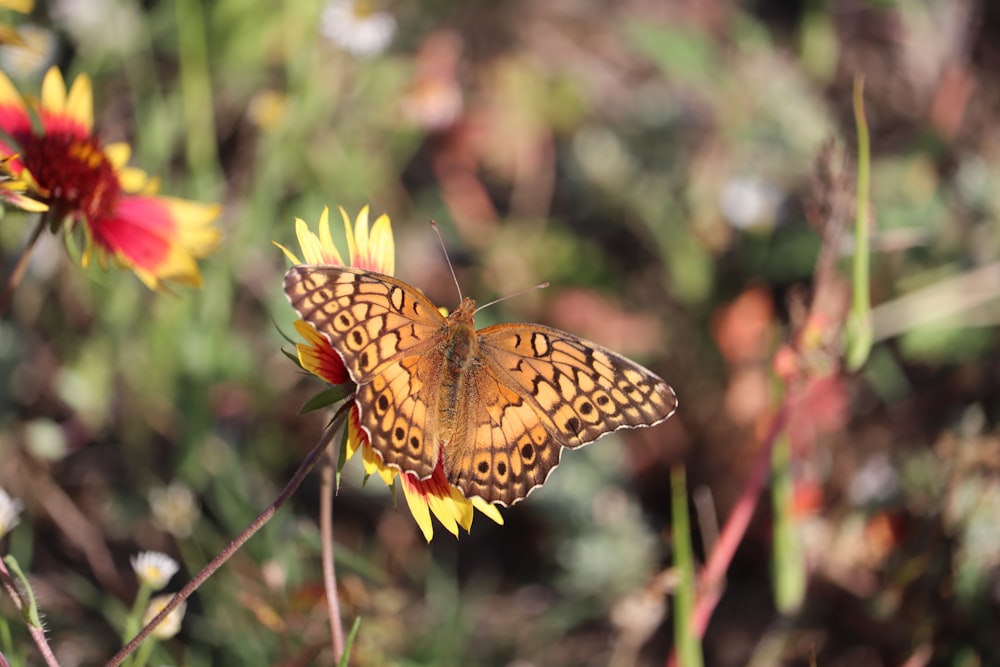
175 509
10 512
154 568
170 625
749 203
357 26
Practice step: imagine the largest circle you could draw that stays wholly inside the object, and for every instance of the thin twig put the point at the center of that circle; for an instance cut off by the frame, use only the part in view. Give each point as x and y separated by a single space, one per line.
304 469
22 263
37 633
326 537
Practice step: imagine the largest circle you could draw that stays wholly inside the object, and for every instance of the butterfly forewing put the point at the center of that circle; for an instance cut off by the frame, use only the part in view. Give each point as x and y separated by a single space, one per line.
586 389
371 320
387 333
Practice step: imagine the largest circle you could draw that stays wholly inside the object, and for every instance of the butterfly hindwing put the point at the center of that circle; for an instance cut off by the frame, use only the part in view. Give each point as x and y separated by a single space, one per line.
510 448
398 411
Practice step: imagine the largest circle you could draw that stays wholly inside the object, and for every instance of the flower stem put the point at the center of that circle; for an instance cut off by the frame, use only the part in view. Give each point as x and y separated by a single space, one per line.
326 537
304 469
37 632
22 263
134 620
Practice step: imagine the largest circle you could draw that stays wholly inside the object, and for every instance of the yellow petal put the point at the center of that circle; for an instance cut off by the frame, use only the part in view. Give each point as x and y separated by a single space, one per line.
374 465
53 91
312 251
419 510
25 203
383 246
355 232
23 6
326 238
117 153
444 510
288 253
489 509
80 103
353 442
462 509
133 179
8 93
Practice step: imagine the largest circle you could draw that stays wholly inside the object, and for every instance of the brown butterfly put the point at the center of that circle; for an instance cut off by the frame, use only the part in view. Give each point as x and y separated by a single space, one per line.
496 406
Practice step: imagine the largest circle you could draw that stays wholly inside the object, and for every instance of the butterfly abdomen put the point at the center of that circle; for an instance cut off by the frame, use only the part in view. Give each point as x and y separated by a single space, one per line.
461 352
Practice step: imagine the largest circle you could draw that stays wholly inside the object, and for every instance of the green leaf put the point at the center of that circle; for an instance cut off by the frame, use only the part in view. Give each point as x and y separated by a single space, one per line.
688 646
329 396
341 456
345 659
858 333
789 562
293 357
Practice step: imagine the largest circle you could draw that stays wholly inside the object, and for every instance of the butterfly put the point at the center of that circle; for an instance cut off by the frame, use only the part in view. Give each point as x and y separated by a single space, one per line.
496 406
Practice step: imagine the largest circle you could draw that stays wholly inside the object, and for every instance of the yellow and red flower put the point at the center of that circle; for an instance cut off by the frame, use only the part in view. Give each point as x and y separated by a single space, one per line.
82 181
372 248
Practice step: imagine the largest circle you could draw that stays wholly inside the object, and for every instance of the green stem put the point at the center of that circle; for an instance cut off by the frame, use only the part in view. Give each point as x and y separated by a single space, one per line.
859 320
143 654
688 644
788 561
134 620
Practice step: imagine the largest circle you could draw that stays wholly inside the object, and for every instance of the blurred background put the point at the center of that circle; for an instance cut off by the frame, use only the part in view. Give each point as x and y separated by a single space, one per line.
656 162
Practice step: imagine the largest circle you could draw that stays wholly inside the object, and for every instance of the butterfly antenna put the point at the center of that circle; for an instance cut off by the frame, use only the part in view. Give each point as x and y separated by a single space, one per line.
447 259
511 296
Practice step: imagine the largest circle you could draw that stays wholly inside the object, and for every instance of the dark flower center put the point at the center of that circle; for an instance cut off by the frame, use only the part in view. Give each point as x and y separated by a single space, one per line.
75 172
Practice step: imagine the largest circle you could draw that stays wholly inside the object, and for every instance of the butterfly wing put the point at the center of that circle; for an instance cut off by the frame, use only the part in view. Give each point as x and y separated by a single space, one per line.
370 319
398 409
508 446
539 390
388 335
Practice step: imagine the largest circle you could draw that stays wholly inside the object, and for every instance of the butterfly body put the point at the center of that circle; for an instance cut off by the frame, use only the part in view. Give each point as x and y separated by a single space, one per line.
460 355
494 407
